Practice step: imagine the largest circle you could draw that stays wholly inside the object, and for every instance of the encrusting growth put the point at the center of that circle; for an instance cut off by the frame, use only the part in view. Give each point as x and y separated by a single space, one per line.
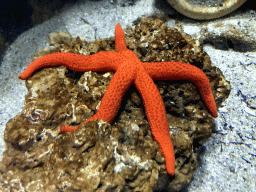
130 70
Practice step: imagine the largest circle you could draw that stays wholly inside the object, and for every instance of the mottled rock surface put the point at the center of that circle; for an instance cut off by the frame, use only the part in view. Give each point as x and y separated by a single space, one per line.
99 156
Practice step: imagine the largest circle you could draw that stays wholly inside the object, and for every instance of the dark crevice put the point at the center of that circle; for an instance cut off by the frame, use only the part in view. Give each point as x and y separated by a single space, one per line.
233 43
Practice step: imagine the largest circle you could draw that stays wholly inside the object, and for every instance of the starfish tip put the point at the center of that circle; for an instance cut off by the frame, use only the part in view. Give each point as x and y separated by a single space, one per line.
21 76
118 28
65 129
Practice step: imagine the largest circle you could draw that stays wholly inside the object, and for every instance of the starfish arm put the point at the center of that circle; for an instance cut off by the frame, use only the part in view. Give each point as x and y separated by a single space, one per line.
111 101
120 44
183 71
101 62
156 115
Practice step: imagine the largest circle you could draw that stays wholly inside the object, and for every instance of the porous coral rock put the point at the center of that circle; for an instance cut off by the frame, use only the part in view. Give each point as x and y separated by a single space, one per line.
99 156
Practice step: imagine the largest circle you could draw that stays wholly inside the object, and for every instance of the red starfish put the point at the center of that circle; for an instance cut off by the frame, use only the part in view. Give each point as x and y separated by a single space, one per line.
129 69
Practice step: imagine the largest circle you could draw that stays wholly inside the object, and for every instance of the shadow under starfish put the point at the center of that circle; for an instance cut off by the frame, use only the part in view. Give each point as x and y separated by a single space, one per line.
129 69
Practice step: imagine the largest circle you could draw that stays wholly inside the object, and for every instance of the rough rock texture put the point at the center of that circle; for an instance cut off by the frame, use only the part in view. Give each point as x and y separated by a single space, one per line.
99 156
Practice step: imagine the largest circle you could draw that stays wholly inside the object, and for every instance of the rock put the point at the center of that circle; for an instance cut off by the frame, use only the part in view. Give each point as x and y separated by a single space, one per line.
99 156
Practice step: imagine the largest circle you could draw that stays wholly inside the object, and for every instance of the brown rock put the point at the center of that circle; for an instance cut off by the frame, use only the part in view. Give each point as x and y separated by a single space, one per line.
99 156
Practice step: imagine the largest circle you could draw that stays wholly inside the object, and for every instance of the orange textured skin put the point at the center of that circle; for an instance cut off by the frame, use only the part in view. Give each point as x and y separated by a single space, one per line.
129 69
